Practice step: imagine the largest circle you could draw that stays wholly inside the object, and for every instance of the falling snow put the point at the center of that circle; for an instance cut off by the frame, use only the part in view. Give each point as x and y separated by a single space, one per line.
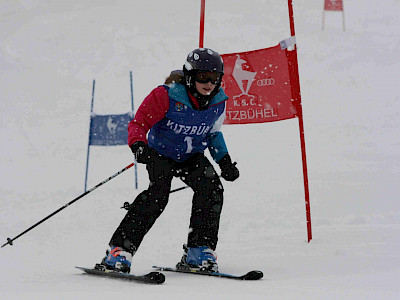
50 52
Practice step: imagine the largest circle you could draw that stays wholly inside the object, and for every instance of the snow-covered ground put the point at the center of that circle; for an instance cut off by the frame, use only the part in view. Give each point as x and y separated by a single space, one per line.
50 51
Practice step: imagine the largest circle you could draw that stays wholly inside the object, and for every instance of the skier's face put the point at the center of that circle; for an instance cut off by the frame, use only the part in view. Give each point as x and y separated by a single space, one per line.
205 88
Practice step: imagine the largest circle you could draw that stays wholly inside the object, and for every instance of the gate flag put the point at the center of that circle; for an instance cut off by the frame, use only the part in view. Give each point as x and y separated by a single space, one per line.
109 130
261 86
333 5
336 5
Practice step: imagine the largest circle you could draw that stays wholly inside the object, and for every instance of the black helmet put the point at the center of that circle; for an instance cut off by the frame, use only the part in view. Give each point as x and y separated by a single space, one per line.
202 59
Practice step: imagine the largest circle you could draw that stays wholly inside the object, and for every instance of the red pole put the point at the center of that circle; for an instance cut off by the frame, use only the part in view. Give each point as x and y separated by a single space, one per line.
301 128
291 20
202 11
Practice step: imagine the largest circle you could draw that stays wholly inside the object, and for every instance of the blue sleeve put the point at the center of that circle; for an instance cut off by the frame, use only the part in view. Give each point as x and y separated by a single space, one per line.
217 146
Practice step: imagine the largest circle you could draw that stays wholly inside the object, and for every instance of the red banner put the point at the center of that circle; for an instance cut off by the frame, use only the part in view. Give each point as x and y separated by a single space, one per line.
260 86
334 5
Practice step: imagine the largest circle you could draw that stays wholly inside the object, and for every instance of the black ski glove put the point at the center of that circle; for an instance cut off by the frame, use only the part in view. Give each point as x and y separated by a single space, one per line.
228 169
142 152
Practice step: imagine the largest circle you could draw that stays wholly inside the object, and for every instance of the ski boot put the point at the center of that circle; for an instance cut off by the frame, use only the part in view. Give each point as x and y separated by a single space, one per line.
117 260
202 258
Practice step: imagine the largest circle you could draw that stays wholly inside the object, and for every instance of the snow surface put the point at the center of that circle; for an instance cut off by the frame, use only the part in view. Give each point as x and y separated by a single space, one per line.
50 51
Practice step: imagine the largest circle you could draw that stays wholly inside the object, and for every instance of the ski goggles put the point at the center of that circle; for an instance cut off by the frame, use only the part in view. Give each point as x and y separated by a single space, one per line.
204 77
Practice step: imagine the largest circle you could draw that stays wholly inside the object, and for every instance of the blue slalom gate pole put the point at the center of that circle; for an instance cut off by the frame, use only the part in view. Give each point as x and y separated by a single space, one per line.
90 135
133 115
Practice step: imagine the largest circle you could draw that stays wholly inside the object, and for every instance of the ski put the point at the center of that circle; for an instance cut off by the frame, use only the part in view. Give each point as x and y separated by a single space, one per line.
252 275
152 277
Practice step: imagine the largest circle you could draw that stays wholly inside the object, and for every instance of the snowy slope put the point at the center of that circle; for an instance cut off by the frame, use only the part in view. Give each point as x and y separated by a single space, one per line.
50 51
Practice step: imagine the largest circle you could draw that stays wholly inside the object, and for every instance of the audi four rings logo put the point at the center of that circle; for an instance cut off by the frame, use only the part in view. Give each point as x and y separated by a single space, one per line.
266 81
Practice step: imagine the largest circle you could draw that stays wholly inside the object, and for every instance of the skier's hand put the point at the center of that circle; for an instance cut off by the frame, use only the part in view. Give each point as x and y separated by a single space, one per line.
228 169
142 152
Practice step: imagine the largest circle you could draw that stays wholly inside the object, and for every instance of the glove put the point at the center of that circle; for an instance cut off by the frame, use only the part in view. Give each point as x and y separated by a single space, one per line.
228 169
142 152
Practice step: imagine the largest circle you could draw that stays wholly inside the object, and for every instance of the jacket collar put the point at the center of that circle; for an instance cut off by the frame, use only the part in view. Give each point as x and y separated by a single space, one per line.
178 92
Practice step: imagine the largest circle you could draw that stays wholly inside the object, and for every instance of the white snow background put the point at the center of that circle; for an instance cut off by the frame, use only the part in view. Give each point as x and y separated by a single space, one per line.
50 51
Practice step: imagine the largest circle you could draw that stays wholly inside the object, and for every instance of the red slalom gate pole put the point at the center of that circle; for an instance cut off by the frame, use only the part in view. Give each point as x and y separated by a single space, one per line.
301 128
202 12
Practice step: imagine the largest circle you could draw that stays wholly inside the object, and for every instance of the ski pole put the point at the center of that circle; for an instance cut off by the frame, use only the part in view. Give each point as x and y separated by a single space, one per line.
10 241
127 205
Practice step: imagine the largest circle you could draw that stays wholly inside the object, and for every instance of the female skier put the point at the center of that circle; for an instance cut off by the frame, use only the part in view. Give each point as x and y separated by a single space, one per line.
172 128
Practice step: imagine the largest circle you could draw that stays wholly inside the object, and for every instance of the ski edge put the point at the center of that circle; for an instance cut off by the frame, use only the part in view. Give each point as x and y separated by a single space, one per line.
251 275
151 278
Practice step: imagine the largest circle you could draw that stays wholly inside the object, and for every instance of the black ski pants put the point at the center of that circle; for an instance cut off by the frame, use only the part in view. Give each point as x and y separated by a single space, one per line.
199 174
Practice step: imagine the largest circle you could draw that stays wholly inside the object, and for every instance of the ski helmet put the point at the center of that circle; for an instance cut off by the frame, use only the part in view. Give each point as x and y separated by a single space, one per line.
202 59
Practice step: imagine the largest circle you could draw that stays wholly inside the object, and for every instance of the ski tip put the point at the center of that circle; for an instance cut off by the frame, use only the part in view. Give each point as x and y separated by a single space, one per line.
253 275
156 277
